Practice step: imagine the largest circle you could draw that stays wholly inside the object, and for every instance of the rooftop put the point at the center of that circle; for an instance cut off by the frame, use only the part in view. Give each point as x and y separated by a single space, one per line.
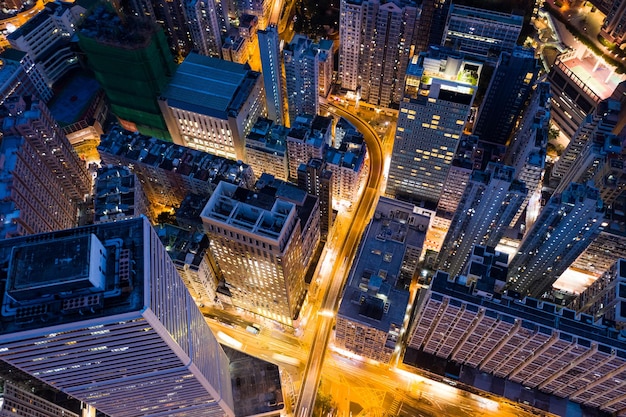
374 295
601 80
71 275
77 93
168 156
185 247
484 14
210 86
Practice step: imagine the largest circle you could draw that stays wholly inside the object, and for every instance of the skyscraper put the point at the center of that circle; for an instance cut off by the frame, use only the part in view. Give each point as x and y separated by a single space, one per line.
431 24
132 88
508 91
101 313
482 34
596 126
491 199
376 40
31 119
527 150
269 49
566 226
302 71
20 76
206 23
439 91
258 240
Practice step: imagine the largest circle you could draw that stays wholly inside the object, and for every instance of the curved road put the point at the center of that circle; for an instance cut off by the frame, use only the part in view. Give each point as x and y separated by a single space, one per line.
340 269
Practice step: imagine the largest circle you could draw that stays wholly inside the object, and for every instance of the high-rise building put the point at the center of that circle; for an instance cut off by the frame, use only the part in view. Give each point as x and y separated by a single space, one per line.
168 172
301 62
482 34
308 137
269 49
508 91
598 125
574 95
207 24
189 250
261 9
31 119
565 227
20 76
134 86
614 25
266 149
172 18
605 298
120 329
431 24
528 342
211 105
489 202
371 319
438 94
376 40
259 239
326 57
316 179
527 150
347 163
46 38
19 402
118 195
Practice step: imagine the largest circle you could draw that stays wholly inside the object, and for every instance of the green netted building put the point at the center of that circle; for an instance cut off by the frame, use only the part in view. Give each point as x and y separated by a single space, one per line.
131 60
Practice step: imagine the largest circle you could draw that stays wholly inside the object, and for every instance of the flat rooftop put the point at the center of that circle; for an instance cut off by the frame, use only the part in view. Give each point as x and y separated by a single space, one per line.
374 296
602 81
207 85
51 279
74 97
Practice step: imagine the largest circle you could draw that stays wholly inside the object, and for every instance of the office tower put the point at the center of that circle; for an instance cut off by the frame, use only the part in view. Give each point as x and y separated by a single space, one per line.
207 24
308 137
490 200
482 34
347 163
597 125
118 195
438 94
579 82
508 91
604 298
19 402
258 240
528 343
466 160
431 24
120 330
376 39
20 76
132 87
316 179
31 119
302 75
565 227
189 250
46 38
527 150
266 149
211 105
371 319
269 49
614 25
169 172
